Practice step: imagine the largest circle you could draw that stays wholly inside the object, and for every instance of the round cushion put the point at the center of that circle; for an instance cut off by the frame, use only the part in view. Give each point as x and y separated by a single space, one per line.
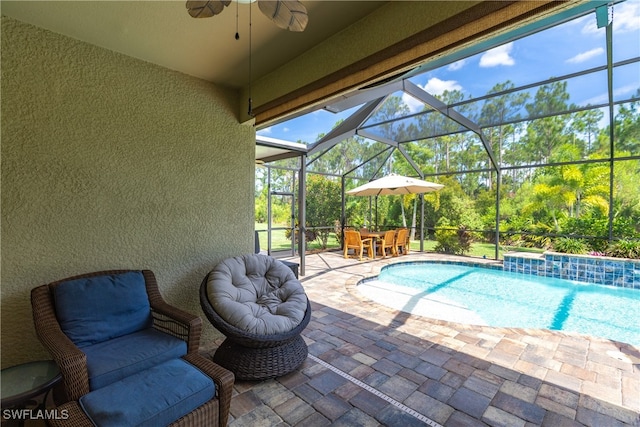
257 294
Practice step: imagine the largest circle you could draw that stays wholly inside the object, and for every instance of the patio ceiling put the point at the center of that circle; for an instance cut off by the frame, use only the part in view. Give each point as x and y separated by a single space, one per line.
163 33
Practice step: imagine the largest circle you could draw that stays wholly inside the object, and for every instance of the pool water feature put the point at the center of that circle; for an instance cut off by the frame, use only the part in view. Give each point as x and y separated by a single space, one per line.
479 295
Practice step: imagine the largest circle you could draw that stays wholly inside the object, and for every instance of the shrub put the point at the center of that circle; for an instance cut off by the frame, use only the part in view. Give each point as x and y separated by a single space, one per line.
511 231
599 228
570 246
309 235
539 238
454 241
447 241
624 249
465 238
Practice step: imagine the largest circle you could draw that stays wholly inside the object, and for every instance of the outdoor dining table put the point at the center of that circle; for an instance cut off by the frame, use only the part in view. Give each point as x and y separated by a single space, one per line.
374 235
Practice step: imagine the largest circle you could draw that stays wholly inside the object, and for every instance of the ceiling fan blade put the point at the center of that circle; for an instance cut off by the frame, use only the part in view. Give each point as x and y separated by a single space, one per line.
206 9
287 14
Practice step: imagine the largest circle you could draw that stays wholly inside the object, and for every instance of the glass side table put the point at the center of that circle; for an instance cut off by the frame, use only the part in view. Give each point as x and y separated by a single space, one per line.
22 383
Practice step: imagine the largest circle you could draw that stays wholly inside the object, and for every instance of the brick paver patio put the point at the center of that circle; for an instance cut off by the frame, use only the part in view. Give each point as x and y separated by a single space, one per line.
370 365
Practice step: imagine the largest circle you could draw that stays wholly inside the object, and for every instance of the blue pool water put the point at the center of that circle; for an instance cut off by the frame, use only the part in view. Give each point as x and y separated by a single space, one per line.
505 299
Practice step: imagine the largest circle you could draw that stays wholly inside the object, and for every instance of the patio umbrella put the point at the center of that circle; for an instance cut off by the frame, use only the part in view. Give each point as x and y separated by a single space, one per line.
395 184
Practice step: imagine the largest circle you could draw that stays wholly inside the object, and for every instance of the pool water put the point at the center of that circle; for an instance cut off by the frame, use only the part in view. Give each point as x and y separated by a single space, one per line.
494 297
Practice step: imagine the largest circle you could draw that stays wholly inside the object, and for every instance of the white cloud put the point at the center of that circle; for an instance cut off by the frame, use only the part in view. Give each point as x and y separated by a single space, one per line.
604 97
596 100
435 86
265 131
626 16
498 56
624 90
585 56
413 104
590 25
285 129
580 22
455 66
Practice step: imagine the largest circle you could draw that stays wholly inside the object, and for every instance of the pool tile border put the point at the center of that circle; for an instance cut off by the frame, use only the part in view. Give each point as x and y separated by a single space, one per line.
589 269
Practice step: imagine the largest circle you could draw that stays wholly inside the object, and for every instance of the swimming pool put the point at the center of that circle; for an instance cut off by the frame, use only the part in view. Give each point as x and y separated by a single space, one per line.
479 295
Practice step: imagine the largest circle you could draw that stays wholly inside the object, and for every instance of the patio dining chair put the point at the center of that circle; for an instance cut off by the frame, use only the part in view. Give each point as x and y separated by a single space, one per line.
388 242
402 241
353 240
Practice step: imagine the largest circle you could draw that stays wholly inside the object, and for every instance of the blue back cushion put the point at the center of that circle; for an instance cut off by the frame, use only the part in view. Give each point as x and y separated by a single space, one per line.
96 309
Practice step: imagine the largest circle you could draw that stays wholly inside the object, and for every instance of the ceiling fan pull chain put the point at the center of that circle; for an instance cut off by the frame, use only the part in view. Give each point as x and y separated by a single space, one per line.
250 108
237 12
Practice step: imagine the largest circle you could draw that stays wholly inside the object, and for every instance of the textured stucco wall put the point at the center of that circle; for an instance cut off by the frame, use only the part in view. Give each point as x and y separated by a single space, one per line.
111 162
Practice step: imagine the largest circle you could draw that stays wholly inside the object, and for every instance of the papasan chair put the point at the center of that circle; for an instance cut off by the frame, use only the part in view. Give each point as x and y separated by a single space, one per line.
261 308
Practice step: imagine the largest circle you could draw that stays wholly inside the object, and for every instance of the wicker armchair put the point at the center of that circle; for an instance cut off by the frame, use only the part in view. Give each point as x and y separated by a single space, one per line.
229 295
60 336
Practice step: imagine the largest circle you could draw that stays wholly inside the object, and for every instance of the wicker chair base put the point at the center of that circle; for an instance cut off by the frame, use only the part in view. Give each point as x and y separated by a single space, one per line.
261 363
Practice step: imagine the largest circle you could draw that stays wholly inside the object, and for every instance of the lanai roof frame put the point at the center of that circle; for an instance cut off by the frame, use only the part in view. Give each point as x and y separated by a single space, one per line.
378 91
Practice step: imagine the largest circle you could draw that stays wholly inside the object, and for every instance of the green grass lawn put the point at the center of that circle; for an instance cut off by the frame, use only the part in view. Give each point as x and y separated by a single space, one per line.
280 243
478 249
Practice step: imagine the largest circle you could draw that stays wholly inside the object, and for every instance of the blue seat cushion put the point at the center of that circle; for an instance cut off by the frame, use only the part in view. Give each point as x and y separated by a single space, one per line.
155 397
95 309
113 360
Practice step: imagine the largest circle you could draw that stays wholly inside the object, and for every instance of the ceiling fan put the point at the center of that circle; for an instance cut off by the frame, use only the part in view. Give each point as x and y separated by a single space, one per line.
287 14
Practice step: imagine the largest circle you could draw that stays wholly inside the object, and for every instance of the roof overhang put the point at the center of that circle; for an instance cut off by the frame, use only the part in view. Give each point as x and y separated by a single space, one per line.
272 149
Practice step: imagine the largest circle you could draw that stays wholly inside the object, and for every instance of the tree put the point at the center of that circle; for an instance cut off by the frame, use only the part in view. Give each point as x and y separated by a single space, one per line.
447 137
455 207
323 205
547 129
563 191
281 180
392 108
499 110
627 122
586 123
422 155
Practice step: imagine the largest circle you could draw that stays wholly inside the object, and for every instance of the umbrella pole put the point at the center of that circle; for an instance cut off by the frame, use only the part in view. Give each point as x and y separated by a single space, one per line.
376 229
421 222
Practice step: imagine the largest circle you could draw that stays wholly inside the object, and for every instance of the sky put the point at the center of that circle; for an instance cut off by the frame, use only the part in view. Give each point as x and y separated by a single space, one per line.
568 48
